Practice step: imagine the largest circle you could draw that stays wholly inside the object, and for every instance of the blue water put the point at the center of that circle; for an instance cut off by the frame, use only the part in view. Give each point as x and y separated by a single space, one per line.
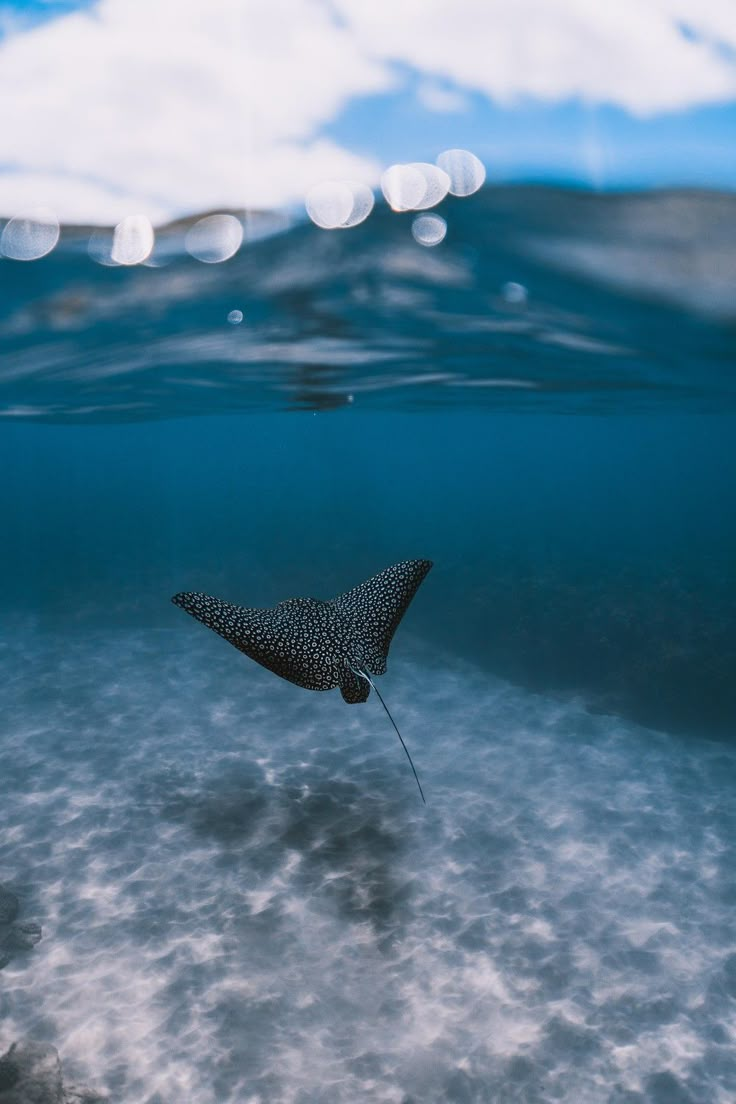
241 895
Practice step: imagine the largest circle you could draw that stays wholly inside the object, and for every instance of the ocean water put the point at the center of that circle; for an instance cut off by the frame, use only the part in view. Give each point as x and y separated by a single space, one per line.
241 895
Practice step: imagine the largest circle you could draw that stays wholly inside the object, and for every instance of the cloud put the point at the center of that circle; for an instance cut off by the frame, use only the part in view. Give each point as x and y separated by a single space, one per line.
162 109
646 56
444 101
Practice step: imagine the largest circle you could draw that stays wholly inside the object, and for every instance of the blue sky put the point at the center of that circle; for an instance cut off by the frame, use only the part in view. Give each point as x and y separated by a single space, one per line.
122 106
595 146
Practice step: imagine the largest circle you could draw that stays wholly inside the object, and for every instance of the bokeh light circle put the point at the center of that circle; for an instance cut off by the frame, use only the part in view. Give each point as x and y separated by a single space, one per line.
429 229
339 204
467 173
329 204
132 240
30 235
214 238
363 202
404 187
436 185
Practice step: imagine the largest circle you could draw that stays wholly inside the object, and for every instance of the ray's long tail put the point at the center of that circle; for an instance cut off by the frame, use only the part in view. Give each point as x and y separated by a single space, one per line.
368 679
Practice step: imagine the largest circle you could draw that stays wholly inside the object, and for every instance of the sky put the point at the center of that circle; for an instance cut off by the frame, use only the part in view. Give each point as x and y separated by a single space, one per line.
151 107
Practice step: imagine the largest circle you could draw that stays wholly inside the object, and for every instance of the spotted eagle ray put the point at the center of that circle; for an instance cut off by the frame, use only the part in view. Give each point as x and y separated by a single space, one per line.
320 645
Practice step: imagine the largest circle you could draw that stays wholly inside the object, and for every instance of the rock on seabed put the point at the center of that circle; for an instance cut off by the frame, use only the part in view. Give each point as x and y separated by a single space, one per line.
14 936
30 1073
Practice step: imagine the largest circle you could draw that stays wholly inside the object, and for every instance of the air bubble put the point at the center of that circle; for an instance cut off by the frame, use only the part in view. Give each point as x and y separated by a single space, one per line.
362 203
466 172
30 235
404 187
132 240
436 185
339 204
514 293
429 229
214 238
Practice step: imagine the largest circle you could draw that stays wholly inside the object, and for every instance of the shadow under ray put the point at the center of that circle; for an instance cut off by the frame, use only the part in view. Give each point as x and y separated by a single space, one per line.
349 842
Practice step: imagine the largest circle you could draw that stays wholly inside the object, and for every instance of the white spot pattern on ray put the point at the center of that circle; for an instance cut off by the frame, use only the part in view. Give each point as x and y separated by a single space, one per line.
318 644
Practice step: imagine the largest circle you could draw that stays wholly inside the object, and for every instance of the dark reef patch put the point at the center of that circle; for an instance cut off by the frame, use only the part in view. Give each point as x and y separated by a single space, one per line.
16 935
30 1073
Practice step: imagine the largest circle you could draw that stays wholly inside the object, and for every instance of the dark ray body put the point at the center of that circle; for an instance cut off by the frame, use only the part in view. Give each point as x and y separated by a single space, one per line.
321 645
315 644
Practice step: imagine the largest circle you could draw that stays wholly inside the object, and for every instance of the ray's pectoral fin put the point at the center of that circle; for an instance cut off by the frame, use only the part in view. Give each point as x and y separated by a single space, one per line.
376 607
353 688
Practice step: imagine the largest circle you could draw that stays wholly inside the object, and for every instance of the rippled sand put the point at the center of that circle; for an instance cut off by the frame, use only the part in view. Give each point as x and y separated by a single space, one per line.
243 899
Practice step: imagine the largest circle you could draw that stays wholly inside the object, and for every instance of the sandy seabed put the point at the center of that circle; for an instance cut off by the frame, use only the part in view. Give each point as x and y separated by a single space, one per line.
244 900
